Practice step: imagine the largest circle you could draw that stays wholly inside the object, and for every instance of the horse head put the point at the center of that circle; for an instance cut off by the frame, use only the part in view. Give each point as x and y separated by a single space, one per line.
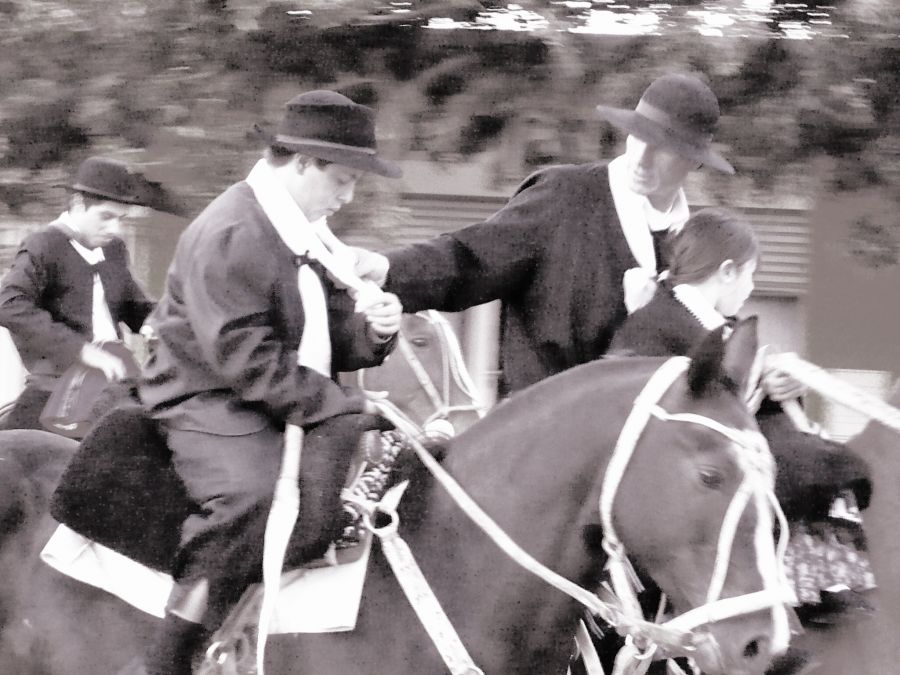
697 511
427 378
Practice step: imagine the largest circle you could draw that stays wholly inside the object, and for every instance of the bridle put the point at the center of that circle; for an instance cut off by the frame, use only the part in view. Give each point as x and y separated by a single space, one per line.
646 639
453 373
753 457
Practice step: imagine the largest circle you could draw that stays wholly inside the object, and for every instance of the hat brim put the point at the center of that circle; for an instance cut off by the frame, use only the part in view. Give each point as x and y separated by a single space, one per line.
100 194
343 155
157 198
650 132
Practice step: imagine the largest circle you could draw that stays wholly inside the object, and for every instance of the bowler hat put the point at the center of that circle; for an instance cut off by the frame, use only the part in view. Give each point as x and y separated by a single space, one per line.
108 179
329 126
678 112
115 181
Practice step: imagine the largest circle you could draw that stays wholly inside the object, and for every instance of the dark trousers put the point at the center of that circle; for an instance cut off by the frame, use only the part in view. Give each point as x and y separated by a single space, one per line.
232 479
26 411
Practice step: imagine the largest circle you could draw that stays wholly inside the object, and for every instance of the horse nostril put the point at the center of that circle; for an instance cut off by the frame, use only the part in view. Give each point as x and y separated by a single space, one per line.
755 648
751 649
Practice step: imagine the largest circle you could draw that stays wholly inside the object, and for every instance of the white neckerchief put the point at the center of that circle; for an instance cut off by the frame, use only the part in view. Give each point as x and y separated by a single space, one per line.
102 325
699 306
316 241
638 218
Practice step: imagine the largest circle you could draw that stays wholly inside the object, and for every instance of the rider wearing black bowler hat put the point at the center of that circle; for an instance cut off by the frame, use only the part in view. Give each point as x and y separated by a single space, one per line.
70 284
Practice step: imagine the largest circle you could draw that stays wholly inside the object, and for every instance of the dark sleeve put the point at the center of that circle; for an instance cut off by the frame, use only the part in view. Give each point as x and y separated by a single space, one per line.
352 345
22 309
482 262
136 305
229 301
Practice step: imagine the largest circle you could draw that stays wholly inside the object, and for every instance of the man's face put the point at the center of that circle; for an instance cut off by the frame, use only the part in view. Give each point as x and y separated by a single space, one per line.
99 223
322 192
653 171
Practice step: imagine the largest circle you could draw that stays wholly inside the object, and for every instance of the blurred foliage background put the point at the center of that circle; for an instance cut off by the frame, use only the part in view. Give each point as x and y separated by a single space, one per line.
808 91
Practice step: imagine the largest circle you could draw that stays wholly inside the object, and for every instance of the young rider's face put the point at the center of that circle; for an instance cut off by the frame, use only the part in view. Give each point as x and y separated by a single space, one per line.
99 223
737 289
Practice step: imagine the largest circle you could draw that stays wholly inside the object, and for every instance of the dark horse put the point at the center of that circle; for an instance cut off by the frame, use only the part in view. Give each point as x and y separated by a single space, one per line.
536 464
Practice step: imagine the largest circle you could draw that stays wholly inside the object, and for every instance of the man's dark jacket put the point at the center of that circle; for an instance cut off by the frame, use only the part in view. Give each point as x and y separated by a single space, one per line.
554 255
229 325
46 299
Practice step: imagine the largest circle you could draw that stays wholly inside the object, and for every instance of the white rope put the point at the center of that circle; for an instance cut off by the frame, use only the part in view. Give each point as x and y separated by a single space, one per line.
837 390
423 600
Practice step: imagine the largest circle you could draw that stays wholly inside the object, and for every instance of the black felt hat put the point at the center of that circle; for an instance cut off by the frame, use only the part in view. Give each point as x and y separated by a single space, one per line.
329 126
678 112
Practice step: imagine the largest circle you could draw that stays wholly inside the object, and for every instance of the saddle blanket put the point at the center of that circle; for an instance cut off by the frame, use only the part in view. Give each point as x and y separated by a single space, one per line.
321 598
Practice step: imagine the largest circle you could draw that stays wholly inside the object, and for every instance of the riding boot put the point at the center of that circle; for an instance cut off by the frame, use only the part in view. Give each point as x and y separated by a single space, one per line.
175 647
182 633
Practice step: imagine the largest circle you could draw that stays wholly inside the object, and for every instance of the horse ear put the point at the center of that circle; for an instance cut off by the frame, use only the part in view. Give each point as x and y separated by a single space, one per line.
718 362
740 353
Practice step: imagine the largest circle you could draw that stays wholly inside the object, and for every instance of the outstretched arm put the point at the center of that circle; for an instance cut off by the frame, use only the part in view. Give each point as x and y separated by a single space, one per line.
486 261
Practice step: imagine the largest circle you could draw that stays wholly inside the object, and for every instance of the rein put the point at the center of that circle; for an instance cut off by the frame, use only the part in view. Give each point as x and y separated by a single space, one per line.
621 611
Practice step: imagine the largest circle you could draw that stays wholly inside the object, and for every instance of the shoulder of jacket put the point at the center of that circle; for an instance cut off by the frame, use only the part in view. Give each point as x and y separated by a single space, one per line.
571 174
45 239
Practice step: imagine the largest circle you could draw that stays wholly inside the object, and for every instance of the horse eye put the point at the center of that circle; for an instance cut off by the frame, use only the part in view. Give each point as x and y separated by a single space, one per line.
711 478
419 341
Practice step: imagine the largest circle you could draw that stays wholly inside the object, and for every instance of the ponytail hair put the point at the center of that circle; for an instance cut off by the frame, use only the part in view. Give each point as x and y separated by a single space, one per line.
709 238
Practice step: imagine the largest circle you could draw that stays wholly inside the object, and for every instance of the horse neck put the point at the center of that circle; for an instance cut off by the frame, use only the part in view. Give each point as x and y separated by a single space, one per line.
537 473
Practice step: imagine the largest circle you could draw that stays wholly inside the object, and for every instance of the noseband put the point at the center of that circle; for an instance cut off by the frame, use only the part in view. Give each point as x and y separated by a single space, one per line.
453 372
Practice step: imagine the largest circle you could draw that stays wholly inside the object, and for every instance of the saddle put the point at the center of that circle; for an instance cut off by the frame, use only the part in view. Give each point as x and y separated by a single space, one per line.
121 490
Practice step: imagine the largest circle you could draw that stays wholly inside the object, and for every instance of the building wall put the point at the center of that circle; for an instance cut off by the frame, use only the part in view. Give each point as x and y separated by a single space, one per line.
854 313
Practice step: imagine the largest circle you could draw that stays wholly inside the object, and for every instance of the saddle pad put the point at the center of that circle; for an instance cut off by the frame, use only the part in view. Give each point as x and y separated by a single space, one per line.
97 565
323 597
121 490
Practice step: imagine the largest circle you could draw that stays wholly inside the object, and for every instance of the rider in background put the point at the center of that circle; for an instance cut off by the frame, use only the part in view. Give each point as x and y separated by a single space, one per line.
70 286
254 324
711 265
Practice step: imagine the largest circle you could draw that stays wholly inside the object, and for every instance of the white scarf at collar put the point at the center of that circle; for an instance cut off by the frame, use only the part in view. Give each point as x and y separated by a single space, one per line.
697 304
639 283
318 242
103 327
